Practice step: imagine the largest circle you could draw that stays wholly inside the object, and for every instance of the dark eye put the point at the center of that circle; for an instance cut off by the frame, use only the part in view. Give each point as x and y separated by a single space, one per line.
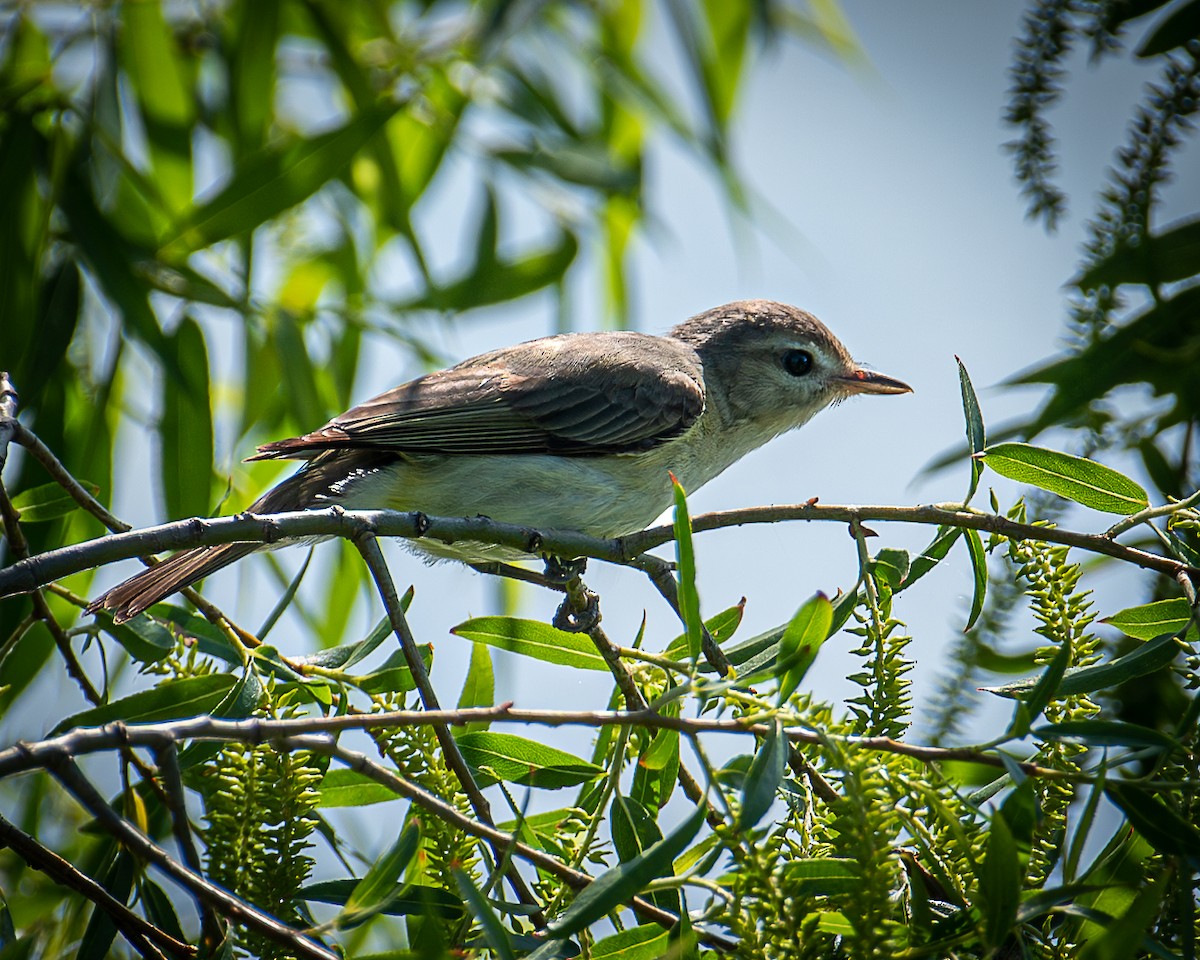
797 362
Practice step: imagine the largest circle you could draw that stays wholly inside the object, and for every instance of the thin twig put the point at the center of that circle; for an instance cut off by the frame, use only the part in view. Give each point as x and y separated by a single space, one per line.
368 546
167 758
1151 513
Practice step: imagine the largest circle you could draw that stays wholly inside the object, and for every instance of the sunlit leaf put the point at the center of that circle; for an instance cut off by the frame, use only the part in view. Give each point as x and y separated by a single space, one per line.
531 638
170 700
1076 478
1149 620
505 756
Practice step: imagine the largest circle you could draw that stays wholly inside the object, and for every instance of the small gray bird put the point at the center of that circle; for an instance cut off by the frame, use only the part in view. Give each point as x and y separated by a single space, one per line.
578 431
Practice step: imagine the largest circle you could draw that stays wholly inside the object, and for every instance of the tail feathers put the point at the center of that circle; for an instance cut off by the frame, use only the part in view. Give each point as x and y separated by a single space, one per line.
140 592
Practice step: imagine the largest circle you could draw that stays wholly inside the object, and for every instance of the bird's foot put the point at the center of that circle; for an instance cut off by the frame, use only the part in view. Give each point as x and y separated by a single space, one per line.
559 570
574 617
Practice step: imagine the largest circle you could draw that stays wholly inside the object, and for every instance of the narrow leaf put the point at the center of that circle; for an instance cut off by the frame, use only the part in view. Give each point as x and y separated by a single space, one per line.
618 884
479 687
1076 478
1149 620
808 629
342 787
493 930
763 778
979 570
533 639
976 438
505 756
372 893
171 700
999 883
685 561
47 502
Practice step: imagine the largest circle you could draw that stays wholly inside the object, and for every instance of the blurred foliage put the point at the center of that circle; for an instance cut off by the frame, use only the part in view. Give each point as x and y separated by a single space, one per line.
1128 378
217 212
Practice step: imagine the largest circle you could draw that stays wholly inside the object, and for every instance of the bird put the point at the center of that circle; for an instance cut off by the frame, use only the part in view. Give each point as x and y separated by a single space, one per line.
576 431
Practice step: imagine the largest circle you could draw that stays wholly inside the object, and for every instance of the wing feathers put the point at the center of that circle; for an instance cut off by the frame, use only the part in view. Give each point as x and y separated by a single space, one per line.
607 393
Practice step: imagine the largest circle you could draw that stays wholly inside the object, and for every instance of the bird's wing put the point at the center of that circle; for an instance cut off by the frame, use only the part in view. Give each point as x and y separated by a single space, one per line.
573 395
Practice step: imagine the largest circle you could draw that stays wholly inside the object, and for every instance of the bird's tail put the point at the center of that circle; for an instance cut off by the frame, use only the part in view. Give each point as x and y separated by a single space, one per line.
140 592
319 481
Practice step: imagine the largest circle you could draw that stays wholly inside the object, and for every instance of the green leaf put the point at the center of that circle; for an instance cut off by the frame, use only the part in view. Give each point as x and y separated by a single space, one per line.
155 69
408 899
117 880
277 178
979 570
720 628
620 883
763 778
533 639
976 437
1076 478
342 787
1106 733
143 639
647 942
493 930
1166 257
505 756
1125 938
1180 27
807 630
393 675
47 502
1161 825
1150 620
1144 660
172 700
891 565
500 282
634 830
479 687
822 877
999 883
685 565
374 891
1043 691
186 427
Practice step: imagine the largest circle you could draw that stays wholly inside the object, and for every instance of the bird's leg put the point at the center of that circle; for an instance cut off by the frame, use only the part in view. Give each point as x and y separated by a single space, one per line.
559 570
580 611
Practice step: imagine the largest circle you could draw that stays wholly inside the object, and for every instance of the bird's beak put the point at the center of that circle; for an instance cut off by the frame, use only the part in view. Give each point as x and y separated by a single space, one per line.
868 381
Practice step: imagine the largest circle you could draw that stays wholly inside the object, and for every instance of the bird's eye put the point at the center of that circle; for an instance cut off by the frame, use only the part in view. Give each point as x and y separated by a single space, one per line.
797 362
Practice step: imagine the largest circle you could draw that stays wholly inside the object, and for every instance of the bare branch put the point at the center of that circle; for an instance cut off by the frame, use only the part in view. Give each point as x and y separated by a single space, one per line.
29 574
135 928
368 546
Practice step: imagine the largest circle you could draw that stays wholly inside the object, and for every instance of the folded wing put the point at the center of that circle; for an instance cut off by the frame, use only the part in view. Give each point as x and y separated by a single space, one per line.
572 396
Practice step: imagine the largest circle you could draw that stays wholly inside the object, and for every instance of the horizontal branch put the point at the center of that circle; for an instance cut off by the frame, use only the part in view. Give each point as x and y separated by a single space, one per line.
33 572
30 755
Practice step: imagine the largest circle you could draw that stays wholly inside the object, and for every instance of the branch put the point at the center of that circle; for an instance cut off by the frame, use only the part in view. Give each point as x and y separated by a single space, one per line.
34 754
368 546
135 928
29 574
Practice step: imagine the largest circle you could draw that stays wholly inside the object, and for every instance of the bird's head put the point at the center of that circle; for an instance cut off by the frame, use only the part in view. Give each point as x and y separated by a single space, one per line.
774 364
